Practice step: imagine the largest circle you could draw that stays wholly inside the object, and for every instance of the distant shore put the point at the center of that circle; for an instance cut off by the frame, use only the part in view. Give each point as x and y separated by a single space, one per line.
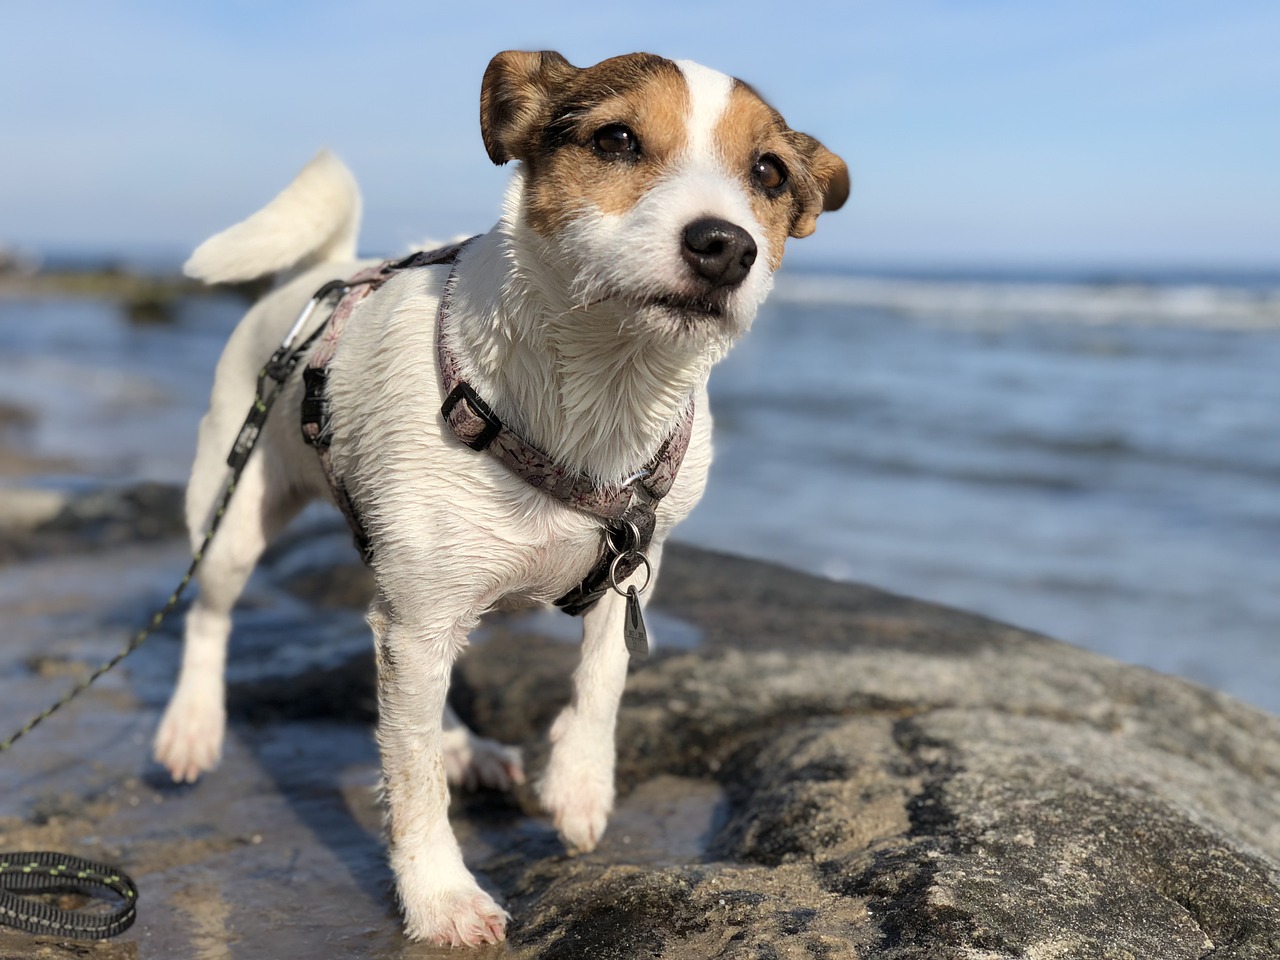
105 283
146 297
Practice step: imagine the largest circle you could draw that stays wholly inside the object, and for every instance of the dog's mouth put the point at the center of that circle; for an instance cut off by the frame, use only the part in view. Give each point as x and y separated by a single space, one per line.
668 302
690 306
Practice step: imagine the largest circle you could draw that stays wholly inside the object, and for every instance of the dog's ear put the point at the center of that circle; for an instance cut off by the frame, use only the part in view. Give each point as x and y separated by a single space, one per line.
516 86
828 186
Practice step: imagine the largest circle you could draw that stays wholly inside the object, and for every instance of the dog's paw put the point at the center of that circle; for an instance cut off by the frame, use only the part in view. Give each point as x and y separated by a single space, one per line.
457 918
189 741
577 789
472 762
580 820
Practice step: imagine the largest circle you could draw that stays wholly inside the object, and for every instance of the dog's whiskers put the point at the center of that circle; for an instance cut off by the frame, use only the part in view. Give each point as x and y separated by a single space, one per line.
587 303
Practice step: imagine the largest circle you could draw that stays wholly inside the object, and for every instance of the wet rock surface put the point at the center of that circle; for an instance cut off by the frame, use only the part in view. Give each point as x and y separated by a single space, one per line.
40 523
832 771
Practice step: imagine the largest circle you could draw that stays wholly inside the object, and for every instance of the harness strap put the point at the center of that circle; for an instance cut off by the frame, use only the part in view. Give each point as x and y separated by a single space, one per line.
316 428
630 520
622 552
475 424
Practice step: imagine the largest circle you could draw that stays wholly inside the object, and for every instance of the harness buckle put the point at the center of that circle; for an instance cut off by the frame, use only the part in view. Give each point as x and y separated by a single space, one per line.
479 410
315 407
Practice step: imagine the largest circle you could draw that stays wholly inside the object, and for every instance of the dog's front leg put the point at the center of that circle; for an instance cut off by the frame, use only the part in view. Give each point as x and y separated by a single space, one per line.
577 788
441 900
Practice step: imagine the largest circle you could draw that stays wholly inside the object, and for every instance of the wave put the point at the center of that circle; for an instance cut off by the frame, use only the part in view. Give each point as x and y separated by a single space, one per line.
1216 306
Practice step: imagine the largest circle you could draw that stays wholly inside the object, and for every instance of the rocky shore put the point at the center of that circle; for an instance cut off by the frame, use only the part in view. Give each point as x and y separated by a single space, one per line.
814 769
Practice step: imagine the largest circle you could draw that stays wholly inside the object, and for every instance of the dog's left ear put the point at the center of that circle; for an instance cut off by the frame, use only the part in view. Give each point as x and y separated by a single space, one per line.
828 188
516 86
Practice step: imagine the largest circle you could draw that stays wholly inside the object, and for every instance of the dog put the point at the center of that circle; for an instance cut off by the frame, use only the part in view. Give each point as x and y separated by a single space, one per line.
638 237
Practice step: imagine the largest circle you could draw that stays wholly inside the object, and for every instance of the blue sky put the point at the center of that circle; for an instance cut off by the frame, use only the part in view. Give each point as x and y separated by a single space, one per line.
978 133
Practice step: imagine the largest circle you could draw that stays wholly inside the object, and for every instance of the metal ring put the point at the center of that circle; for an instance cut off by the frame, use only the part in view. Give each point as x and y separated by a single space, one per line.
630 531
613 572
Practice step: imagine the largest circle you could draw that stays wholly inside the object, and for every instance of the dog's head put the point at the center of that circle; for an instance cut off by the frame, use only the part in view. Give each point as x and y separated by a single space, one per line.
664 186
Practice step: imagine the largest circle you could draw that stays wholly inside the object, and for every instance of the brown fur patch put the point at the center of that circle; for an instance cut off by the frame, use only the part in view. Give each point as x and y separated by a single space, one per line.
749 129
566 173
516 85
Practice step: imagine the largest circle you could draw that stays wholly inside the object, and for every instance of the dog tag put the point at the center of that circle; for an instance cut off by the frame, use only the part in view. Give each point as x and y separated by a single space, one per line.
633 629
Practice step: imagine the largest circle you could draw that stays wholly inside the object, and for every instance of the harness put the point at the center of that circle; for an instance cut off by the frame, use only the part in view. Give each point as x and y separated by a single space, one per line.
627 510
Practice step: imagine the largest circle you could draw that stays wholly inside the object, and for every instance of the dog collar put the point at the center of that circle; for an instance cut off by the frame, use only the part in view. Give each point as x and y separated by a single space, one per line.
473 422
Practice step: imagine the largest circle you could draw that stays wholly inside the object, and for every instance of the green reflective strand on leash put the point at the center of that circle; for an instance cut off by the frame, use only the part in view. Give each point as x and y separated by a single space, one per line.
24 875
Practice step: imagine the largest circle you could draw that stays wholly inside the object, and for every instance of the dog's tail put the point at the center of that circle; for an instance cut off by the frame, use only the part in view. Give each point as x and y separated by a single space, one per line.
314 219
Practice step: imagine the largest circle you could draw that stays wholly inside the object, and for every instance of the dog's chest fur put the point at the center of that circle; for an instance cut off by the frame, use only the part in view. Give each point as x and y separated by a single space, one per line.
492 538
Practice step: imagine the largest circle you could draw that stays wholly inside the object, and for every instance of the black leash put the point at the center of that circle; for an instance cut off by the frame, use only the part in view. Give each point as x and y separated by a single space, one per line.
48 872
52 873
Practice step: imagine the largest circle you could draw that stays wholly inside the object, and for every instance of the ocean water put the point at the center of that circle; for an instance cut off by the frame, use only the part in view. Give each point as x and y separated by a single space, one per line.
1096 458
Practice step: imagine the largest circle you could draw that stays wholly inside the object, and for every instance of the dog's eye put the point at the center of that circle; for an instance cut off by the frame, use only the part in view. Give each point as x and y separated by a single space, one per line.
616 138
769 172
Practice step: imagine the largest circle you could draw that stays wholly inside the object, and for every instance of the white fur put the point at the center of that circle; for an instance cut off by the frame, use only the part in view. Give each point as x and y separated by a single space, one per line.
557 334
319 212
708 97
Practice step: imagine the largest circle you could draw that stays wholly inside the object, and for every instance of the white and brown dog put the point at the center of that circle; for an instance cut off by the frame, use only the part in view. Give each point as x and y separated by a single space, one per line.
638 238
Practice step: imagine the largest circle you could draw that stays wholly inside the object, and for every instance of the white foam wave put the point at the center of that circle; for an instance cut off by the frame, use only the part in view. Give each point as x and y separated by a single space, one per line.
1212 306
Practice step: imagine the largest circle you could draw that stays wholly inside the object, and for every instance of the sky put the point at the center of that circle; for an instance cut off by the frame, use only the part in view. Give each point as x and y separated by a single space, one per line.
978 132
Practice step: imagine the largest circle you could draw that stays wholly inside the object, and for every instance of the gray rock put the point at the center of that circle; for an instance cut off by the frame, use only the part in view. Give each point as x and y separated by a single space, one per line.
39 523
905 781
23 509
834 771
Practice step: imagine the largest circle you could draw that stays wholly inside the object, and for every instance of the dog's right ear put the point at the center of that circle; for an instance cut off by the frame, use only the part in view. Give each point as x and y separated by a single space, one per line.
517 85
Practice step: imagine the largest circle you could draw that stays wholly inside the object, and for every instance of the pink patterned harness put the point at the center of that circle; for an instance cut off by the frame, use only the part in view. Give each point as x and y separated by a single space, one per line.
629 520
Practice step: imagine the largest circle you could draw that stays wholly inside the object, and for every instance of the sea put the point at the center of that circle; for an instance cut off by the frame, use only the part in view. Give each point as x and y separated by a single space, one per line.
1094 455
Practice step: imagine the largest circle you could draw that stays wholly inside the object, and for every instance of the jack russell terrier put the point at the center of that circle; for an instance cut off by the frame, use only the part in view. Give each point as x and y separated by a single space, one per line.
638 237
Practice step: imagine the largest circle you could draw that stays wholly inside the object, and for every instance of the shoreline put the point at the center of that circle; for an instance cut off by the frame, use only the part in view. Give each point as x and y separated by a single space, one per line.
103 283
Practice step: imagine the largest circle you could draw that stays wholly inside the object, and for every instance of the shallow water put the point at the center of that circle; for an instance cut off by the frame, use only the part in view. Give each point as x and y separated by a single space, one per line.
1097 464
1095 461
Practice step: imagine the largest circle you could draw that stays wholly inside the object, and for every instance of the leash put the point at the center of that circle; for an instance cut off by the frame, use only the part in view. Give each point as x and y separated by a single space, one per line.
46 872
52 873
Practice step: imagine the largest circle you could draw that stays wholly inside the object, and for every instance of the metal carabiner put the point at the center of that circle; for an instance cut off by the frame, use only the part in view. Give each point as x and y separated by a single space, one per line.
333 286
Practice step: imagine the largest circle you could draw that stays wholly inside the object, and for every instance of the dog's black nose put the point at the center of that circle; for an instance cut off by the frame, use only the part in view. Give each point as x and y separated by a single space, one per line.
718 251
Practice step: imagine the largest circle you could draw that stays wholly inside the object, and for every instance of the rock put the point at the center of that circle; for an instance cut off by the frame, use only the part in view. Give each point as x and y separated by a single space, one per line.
144 512
25 509
36 523
900 780
12 416
834 771
969 790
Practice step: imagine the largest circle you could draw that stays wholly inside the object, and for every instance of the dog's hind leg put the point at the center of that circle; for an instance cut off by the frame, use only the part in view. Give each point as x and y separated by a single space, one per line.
577 788
472 761
189 740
